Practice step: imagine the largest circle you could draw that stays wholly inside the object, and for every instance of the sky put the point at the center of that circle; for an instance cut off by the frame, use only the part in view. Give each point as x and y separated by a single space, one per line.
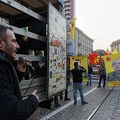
100 20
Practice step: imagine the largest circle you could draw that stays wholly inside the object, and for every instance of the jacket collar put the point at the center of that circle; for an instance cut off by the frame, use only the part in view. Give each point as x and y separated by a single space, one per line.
2 55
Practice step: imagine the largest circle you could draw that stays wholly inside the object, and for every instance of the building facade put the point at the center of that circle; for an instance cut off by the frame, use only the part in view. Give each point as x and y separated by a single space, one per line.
82 45
115 45
69 9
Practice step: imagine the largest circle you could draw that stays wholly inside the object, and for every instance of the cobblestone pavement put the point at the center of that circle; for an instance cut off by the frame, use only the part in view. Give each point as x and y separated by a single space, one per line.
108 110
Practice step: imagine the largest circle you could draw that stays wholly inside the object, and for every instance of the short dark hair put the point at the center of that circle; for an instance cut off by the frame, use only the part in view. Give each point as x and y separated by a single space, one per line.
77 60
3 30
75 64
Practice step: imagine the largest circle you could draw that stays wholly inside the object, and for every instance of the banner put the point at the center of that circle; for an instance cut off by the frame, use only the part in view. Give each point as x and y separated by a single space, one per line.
112 64
84 63
73 28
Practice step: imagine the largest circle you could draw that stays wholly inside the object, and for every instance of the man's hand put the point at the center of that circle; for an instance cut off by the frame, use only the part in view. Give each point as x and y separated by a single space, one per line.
34 93
22 65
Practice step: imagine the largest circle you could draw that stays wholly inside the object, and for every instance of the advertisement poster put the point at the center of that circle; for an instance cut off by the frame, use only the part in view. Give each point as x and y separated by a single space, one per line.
57 51
84 63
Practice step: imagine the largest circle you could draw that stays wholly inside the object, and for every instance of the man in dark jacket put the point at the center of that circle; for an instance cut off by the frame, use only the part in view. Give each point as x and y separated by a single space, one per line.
12 107
102 75
77 82
90 72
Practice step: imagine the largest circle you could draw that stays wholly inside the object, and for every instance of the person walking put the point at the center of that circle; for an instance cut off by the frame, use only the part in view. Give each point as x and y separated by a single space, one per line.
90 72
102 75
77 81
12 106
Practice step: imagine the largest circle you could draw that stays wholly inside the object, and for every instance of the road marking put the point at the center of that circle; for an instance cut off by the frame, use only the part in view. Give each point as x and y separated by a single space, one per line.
65 106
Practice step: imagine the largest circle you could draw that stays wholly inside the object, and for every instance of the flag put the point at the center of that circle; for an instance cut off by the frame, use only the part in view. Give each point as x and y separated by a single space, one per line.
107 52
94 55
73 28
100 59
115 52
91 58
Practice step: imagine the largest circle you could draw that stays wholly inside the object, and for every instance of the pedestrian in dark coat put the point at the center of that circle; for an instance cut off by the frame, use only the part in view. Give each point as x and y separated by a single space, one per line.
102 75
90 72
12 107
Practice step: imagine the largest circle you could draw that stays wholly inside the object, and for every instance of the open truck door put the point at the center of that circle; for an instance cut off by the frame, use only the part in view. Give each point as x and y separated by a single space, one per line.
57 32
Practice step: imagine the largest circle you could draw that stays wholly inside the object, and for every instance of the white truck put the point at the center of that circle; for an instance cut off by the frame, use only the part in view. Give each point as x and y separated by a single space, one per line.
40 29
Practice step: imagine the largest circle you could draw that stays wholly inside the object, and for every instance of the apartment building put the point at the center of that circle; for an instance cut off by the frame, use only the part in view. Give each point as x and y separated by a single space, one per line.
82 45
69 9
115 45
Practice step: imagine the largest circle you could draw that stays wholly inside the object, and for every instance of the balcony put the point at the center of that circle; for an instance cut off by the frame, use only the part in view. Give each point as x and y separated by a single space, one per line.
68 17
67 12
66 0
67 8
67 4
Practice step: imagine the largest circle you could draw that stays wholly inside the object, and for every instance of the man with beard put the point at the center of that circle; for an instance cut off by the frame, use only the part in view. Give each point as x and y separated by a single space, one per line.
12 107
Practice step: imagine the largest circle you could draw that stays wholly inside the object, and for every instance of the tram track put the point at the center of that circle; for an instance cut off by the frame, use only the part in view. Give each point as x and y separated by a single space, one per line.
98 107
96 98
